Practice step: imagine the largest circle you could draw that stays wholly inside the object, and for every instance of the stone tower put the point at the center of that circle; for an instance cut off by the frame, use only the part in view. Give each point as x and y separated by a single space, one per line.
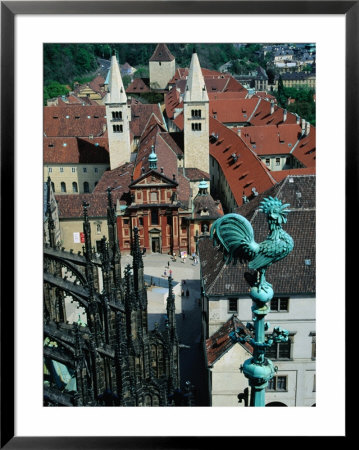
118 115
162 67
196 119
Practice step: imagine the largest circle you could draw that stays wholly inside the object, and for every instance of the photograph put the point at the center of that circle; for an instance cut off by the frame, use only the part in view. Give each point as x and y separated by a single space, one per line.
175 176
172 240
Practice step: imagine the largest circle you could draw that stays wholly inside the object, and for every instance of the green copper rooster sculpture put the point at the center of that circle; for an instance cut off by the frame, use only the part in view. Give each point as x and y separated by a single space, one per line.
235 235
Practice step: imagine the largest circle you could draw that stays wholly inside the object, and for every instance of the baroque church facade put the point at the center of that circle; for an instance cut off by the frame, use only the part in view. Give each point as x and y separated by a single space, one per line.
108 357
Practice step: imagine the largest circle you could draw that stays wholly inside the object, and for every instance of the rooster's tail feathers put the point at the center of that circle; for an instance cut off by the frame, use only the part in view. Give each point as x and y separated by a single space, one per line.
235 234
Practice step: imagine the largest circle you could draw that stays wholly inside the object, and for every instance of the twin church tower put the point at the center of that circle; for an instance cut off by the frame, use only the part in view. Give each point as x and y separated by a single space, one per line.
195 110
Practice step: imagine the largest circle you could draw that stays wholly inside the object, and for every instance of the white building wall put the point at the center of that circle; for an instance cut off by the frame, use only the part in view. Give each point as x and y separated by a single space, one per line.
299 370
227 380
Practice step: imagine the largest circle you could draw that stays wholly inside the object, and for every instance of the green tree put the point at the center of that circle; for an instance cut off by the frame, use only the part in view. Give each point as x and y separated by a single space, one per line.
54 89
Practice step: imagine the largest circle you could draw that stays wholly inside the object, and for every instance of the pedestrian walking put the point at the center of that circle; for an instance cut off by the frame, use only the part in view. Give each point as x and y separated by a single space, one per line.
174 257
165 273
170 273
168 264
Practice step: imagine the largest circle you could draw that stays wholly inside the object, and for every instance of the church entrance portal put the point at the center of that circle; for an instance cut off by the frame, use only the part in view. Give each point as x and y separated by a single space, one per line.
155 244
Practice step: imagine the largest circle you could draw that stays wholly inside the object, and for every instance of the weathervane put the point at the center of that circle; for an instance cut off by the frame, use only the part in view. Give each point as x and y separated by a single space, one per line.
235 235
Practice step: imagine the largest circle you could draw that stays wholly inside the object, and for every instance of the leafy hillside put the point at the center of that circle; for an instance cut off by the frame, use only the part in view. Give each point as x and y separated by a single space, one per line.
65 63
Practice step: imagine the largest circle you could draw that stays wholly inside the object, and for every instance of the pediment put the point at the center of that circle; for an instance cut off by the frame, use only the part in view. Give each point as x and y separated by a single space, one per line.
153 178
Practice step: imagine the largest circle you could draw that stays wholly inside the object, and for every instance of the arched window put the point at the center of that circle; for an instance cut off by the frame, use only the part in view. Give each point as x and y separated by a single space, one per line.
117 128
86 187
63 186
74 187
98 228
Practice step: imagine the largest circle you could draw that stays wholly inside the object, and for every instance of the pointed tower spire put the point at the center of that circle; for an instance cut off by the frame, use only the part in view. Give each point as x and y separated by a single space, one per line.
196 119
195 87
118 116
116 91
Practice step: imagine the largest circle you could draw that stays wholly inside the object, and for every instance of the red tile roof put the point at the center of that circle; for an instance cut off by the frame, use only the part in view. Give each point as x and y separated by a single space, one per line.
279 175
305 150
232 110
173 100
265 95
166 150
162 53
196 174
118 179
244 174
227 95
140 114
220 342
138 86
97 84
74 120
70 206
72 150
263 116
270 139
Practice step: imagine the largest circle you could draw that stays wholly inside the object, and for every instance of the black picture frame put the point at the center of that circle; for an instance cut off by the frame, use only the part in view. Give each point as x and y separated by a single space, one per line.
9 9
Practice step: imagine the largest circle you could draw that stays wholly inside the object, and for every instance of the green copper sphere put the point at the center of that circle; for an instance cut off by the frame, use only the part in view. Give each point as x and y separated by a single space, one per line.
262 294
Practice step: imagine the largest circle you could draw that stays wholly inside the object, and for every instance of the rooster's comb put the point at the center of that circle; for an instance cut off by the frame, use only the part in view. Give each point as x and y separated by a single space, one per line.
270 204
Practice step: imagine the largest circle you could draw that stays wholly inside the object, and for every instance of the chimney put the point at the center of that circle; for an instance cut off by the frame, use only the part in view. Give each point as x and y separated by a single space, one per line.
297 119
303 126
239 132
272 106
284 115
307 128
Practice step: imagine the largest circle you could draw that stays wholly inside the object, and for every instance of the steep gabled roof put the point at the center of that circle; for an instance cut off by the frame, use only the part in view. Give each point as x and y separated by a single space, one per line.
162 54
220 342
305 150
118 179
140 115
243 172
138 86
294 275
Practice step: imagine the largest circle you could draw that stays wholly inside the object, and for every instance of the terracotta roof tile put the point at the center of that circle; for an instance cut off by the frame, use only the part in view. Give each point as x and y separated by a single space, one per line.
162 53
118 179
206 203
295 275
220 342
243 173
138 86
74 120
232 110
271 139
195 174
305 150
72 150
140 114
